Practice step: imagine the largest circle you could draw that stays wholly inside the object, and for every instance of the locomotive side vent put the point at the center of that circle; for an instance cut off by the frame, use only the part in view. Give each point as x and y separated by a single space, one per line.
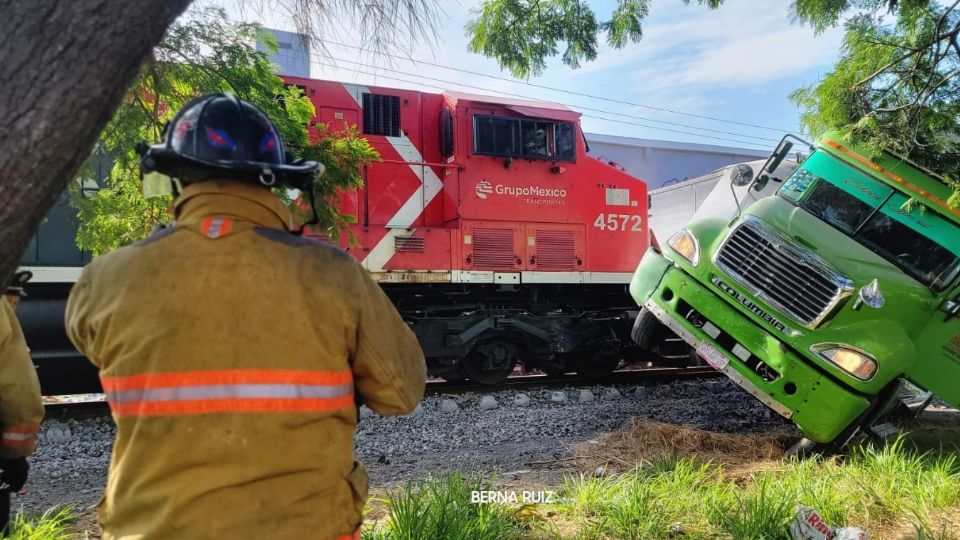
493 248
408 244
556 250
381 115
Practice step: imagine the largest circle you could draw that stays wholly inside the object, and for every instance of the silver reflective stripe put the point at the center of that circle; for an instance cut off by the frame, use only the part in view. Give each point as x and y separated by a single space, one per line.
214 231
19 436
231 391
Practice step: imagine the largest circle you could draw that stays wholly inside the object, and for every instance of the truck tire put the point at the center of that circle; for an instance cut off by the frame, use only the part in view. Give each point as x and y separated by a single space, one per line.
644 330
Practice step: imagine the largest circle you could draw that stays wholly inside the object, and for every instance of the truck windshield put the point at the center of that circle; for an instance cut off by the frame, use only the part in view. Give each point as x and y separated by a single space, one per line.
915 239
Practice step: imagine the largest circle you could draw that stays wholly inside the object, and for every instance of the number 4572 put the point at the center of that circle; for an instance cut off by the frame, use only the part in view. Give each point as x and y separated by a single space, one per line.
618 222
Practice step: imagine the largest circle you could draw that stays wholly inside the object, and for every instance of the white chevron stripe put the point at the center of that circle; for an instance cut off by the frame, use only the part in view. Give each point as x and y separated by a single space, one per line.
430 187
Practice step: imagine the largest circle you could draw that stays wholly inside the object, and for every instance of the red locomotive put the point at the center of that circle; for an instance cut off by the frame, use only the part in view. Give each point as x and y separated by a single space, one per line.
495 234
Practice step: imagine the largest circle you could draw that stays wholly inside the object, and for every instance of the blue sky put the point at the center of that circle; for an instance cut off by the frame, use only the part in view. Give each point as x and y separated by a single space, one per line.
738 63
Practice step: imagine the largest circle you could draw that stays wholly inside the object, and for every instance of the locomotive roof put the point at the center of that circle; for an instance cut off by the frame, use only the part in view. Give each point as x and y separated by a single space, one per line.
480 98
526 107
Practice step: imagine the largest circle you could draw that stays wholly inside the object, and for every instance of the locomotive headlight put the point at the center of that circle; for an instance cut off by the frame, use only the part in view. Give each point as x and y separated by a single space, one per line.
685 244
855 362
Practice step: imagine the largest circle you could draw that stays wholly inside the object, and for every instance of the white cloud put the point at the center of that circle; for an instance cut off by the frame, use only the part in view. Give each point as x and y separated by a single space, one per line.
690 60
736 45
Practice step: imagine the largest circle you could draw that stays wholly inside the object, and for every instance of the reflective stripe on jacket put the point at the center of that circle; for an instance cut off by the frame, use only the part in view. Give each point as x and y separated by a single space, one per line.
233 355
21 406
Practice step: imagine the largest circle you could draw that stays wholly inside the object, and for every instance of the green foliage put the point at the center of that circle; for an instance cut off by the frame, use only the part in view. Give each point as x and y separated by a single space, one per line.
440 509
205 53
522 34
762 511
895 86
874 487
54 524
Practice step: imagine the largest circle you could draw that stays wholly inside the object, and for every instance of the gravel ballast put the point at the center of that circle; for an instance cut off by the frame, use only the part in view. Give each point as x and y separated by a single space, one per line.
528 429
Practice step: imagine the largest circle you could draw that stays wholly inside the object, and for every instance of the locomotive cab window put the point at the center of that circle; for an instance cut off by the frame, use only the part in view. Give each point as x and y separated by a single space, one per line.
522 138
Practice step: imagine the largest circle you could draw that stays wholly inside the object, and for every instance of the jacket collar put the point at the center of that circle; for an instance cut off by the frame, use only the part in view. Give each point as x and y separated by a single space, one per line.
236 200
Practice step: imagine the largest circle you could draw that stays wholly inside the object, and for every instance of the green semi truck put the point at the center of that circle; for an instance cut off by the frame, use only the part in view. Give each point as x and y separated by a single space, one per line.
826 299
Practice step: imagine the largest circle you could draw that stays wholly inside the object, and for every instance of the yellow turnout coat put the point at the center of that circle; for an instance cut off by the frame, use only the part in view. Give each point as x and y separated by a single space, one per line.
233 355
21 407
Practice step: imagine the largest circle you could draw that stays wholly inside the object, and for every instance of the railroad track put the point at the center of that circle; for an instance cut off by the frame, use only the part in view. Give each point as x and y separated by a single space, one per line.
96 404
625 376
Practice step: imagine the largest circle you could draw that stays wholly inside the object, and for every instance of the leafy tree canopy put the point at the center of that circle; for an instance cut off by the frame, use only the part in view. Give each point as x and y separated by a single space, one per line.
206 53
894 88
895 85
522 34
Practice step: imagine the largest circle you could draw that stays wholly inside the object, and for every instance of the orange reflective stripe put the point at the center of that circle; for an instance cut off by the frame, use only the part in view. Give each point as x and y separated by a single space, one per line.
20 436
227 376
19 444
248 405
28 428
205 224
256 390
215 227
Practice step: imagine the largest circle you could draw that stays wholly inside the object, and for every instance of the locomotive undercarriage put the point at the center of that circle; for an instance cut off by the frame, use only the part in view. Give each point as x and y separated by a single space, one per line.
467 331
483 332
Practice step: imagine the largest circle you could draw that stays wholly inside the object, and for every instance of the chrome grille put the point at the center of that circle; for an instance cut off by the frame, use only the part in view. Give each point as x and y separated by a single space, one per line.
783 274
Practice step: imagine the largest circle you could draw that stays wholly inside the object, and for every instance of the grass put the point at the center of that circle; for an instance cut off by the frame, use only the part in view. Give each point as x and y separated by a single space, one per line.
54 524
441 508
889 490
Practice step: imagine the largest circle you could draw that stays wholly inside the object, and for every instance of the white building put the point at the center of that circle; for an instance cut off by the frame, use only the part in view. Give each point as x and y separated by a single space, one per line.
294 54
666 162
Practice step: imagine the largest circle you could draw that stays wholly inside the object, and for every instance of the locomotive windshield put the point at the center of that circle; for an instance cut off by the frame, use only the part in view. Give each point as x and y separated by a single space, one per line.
522 138
919 242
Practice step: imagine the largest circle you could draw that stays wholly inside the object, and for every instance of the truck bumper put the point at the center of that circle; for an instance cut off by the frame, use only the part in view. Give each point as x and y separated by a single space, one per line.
757 360
646 278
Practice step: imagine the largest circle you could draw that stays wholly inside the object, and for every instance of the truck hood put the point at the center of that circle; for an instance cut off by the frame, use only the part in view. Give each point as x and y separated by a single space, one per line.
907 301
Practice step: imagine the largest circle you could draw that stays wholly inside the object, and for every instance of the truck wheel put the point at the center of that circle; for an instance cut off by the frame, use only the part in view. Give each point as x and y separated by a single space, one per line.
645 329
805 448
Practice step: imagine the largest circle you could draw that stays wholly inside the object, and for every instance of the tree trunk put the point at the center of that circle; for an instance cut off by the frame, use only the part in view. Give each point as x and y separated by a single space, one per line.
64 66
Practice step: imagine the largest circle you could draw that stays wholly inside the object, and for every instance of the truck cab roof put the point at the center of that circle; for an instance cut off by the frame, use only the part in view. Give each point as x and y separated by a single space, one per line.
898 172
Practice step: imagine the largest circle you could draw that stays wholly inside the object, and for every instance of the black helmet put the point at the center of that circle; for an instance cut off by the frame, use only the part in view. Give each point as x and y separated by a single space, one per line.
217 136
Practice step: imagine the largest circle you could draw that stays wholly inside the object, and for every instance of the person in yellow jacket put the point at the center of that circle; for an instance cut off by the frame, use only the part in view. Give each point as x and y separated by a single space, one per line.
21 406
236 409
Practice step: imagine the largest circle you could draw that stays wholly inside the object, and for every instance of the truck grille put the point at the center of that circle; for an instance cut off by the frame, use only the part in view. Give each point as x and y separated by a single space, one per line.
781 273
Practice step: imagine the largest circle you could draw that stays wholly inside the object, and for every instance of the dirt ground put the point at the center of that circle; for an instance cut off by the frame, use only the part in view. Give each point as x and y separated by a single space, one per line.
527 448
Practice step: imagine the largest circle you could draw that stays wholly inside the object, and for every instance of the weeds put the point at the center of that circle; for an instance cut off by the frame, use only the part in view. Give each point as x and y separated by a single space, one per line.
883 489
53 524
441 508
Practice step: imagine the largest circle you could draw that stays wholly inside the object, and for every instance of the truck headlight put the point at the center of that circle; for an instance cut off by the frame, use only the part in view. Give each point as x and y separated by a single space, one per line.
854 361
685 244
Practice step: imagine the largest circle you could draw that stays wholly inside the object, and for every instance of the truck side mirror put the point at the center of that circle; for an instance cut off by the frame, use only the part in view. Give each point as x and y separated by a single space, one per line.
446 133
741 175
778 155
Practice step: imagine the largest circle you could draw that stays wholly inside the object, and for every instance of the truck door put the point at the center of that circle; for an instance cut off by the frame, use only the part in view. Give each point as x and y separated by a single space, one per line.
938 356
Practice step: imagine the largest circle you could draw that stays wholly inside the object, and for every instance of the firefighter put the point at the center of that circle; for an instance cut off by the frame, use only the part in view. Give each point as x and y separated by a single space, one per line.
21 407
236 410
